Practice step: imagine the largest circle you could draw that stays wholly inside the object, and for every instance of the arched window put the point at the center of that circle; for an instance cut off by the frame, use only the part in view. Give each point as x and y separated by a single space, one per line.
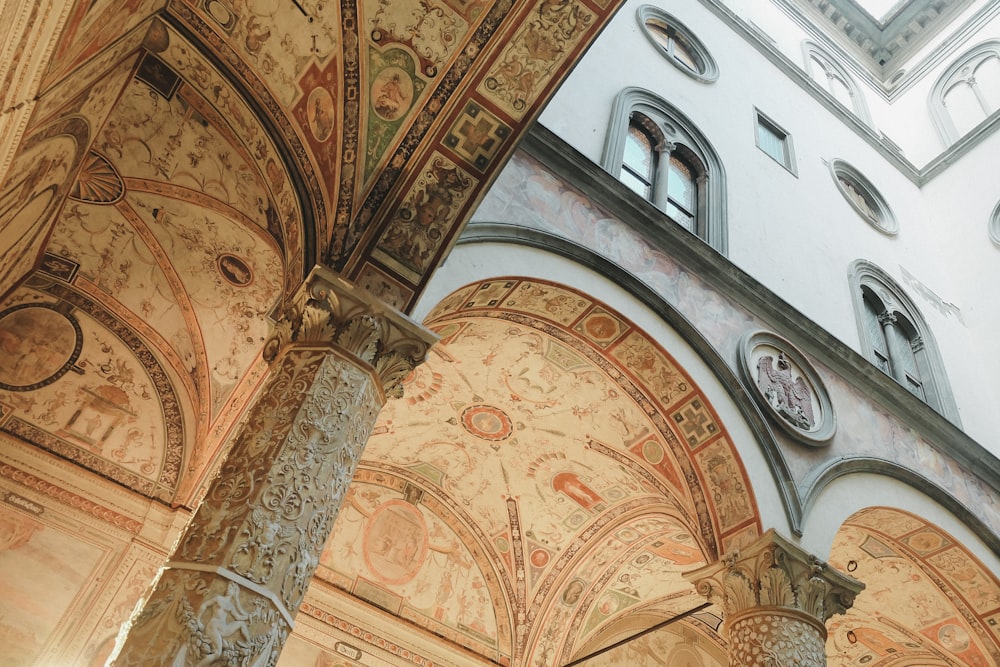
967 93
656 151
834 79
677 44
895 337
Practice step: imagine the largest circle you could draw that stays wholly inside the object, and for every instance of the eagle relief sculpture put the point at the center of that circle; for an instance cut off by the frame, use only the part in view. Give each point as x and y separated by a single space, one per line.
790 398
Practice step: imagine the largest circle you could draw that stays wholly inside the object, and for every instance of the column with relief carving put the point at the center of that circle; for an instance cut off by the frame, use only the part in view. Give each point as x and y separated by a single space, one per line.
776 599
241 568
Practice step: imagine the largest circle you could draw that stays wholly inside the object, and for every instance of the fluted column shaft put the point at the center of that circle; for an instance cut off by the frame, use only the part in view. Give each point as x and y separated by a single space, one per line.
232 587
776 599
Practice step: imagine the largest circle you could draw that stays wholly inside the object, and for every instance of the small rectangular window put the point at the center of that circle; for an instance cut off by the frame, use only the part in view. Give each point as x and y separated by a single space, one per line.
774 141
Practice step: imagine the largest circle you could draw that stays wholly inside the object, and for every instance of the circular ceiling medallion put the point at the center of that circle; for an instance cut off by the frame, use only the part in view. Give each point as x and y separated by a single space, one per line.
98 181
785 384
234 270
38 344
395 542
487 422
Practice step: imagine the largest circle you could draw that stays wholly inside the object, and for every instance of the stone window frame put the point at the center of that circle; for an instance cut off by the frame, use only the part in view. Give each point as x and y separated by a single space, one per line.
953 76
812 52
761 119
677 129
879 215
708 69
900 310
994 225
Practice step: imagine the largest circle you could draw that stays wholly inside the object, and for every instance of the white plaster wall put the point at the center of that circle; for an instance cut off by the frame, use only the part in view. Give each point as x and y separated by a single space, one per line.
958 204
470 263
796 233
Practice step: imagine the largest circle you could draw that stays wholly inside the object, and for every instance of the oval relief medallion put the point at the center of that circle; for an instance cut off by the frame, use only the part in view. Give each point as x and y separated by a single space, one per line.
787 387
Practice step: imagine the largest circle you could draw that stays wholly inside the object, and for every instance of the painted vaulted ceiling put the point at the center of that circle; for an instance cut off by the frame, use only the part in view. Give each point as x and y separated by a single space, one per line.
187 162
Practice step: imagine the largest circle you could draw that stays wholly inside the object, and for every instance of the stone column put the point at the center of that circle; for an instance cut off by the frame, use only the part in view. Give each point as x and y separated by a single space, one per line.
237 577
776 599
661 173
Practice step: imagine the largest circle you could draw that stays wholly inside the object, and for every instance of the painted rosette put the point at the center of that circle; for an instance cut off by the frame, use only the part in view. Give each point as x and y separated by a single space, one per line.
787 387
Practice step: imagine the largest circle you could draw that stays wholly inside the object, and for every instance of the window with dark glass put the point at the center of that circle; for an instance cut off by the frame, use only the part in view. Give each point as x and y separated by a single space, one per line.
677 44
638 161
655 151
659 171
775 142
896 339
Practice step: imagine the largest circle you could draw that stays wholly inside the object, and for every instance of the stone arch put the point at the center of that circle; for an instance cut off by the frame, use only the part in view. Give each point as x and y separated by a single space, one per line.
526 250
552 331
928 599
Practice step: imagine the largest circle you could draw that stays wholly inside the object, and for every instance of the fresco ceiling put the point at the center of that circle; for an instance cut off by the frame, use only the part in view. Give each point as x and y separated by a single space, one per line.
189 160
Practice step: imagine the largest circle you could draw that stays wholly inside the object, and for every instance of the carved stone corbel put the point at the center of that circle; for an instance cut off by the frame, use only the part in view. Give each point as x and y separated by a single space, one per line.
776 599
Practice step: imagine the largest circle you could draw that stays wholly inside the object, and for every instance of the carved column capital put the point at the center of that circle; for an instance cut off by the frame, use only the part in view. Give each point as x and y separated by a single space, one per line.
327 310
887 318
774 572
665 147
776 599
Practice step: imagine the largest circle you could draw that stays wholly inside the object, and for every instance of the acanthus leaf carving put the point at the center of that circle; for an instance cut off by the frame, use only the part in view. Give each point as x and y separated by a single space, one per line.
774 572
361 337
328 310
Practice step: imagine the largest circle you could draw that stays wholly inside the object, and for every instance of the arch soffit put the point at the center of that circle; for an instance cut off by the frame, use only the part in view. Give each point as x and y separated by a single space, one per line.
927 594
716 361
834 489
639 364
700 468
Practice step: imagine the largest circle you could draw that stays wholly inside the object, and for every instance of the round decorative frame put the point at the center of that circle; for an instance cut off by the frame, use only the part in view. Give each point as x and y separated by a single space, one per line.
52 346
994 225
787 387
864 198
708 70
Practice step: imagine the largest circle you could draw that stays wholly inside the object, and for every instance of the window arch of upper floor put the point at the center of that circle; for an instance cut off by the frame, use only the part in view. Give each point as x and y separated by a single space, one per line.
658 152
831 76
895 337
677 44
967 93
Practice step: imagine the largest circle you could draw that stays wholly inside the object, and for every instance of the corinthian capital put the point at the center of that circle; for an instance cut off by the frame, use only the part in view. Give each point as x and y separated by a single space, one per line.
327 310
773 572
